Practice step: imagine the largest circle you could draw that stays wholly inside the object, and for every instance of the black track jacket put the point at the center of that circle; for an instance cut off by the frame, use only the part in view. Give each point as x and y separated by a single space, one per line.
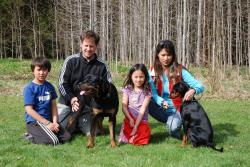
74 69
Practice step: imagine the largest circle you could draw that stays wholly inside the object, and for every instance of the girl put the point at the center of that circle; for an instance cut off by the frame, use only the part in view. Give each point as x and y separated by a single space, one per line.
136 97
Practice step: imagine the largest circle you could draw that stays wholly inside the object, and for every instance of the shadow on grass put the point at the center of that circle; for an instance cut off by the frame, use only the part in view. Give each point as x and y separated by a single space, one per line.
158 133
223 131
158 137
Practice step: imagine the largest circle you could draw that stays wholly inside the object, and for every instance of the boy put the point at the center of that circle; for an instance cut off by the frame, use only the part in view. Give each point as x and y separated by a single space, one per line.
40 107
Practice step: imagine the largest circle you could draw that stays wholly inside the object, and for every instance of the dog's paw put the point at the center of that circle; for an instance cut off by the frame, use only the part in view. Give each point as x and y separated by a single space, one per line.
90 142
113 144
90 145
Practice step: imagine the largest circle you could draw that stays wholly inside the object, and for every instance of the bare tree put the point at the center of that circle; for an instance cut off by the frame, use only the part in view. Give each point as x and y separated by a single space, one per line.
20 50
248 11
229 33
199 25
123 33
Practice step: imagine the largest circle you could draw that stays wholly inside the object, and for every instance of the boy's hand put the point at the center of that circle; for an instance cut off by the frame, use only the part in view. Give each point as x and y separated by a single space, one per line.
54 127
74 104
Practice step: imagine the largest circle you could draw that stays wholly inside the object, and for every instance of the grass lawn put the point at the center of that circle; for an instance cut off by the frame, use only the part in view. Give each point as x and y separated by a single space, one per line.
230 120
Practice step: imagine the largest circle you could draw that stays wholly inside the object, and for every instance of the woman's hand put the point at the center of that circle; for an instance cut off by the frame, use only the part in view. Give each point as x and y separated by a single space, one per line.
189 95
74 104
165 104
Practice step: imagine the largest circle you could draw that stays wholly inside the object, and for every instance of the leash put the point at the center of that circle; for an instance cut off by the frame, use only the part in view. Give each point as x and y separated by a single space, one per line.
170 127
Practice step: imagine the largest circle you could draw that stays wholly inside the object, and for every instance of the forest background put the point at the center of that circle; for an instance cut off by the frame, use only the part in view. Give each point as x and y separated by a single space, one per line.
213 35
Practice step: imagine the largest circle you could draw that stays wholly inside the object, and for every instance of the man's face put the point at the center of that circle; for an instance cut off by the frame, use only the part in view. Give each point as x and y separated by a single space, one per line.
88 47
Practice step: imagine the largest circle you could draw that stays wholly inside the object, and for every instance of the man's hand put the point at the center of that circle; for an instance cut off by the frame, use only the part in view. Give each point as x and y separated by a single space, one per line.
74 104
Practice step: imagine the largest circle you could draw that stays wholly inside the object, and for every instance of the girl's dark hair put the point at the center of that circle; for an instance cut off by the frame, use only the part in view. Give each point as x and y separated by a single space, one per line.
169 47
128 81
41 62
90 34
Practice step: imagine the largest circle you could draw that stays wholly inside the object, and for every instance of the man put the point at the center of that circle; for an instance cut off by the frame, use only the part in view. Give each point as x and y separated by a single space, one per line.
74 69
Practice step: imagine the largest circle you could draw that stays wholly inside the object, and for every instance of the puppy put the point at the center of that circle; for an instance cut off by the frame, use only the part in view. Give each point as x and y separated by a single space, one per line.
104 102
196 124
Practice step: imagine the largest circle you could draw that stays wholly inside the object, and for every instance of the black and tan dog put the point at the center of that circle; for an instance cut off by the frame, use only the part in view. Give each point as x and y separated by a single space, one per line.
196 124
103 98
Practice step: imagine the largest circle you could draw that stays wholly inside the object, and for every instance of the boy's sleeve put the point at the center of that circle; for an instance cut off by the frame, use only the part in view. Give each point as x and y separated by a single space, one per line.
28 96
53 93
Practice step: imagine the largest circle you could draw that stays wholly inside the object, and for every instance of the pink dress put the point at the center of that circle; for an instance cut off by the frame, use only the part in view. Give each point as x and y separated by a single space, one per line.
135 101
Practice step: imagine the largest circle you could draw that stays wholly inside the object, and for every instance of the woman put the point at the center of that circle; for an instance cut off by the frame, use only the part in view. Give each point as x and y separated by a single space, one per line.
164 74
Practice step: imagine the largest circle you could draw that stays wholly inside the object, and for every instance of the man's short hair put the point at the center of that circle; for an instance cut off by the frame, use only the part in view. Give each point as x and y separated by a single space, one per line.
90 34
41 62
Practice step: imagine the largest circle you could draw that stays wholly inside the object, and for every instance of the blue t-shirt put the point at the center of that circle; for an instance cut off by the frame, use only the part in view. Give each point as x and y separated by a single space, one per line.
40 97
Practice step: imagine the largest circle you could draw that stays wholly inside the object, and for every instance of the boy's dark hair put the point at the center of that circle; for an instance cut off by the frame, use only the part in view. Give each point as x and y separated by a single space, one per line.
40 62
90 34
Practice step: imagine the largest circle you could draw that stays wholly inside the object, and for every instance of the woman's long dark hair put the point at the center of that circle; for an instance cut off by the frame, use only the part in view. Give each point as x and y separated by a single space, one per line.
170 49
128 81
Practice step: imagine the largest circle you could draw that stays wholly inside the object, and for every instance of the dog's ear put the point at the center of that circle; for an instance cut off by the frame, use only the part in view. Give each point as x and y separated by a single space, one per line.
104 87
90 78
174 95
183 88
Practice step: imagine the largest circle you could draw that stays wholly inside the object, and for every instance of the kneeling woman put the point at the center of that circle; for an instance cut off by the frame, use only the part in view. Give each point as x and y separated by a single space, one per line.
163 75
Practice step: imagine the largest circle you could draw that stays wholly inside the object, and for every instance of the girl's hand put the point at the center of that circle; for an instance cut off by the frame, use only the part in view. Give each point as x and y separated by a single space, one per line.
133 131
189 95
131 123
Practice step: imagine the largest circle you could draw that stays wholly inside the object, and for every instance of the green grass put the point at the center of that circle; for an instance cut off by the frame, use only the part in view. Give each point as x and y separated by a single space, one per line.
230 120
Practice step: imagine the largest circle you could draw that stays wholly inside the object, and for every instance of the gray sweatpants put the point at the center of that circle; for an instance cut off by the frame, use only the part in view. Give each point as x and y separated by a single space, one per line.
42 135
83 122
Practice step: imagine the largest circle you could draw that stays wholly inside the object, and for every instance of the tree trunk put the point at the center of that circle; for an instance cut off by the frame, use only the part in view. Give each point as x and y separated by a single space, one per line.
214 36
56 29
184 32
20 33
248 11
229 33
199 25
